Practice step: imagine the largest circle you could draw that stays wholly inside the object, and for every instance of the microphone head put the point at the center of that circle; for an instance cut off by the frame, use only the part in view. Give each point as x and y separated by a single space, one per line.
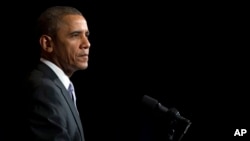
150 102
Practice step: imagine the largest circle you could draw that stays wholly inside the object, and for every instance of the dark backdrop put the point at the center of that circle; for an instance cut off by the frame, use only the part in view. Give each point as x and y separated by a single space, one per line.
191 56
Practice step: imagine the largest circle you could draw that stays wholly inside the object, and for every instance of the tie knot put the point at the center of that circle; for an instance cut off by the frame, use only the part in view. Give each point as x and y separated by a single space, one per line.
71 88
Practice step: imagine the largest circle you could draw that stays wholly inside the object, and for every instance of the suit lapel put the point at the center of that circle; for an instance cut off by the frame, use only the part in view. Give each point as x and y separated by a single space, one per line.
71 104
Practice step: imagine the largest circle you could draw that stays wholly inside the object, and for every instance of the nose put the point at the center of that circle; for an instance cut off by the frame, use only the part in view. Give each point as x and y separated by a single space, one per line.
85 43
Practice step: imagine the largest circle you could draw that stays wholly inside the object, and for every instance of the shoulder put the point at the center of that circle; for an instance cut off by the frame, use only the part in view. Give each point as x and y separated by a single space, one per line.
37 79
40 77
40 85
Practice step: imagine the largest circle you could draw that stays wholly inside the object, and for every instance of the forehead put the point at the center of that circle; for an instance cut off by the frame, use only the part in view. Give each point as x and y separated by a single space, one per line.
74 21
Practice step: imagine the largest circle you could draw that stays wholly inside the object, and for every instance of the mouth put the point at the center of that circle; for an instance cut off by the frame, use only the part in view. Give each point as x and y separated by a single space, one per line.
83 56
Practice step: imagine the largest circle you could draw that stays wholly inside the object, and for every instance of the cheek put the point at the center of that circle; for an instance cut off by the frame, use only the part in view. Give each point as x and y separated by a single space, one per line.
73 55
71 52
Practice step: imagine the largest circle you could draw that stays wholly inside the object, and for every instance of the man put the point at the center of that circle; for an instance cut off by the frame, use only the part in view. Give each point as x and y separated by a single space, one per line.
63 37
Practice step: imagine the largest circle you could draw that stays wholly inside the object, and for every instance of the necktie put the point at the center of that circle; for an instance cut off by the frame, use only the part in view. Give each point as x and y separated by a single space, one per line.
72 93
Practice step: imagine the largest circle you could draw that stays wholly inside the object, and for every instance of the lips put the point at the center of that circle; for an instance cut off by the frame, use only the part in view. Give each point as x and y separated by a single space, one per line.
82 55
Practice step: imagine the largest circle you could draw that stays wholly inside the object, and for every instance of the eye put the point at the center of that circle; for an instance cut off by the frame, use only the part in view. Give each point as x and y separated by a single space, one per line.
87 34
75 35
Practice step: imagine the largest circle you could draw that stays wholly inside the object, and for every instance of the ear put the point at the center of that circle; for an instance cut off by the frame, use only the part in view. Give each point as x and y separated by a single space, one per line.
46 43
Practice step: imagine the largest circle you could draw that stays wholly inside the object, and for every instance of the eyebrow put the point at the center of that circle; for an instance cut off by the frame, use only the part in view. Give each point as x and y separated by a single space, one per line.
80 31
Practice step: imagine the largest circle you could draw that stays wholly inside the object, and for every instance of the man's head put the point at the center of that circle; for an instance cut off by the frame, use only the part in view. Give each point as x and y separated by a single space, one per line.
63 36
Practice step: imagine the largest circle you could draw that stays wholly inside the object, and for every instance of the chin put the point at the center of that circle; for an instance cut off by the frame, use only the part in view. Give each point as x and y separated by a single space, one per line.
83 66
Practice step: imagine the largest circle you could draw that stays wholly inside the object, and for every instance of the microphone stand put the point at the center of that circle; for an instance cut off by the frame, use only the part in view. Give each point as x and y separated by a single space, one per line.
167 119
176 125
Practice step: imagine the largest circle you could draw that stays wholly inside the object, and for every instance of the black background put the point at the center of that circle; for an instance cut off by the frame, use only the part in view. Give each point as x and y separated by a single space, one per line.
191 56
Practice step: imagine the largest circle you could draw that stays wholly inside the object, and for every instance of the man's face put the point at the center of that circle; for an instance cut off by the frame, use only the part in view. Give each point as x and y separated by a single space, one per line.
71 46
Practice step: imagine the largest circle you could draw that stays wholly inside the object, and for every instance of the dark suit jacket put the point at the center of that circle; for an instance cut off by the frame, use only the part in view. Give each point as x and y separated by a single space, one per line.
51 115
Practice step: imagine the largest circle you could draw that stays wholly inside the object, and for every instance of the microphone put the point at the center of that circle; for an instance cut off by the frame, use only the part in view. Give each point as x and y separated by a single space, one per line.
178 125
